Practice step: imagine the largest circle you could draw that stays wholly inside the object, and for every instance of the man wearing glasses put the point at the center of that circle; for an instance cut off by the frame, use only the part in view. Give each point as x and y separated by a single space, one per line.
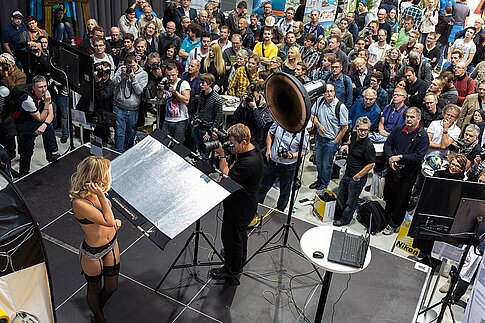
361 159
393 114
405 149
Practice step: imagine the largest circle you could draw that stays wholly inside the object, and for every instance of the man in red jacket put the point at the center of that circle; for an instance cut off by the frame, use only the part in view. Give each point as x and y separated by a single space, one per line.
464 84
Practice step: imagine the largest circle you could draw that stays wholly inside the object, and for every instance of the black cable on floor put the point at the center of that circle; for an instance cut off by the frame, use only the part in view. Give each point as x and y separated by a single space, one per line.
341 294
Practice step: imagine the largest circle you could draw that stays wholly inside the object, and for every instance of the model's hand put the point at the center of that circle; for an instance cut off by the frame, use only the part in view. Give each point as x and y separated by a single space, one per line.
95 189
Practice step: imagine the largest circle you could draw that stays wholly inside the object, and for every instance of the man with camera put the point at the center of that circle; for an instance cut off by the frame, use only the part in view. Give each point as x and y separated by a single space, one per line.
100 55
39 58
103 99
469 145
241 206
33 117
282 153
405 149
330 117
129 80
177 95
10 74
361 157
253 112
209 112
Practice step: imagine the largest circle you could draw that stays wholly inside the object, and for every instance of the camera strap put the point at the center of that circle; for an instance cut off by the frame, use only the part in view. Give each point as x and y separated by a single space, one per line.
247 74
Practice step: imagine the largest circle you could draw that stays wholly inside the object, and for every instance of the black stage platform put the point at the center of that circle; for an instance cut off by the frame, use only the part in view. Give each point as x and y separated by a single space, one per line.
274 287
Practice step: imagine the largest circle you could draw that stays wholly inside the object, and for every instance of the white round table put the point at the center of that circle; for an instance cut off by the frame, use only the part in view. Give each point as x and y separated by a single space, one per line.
318 239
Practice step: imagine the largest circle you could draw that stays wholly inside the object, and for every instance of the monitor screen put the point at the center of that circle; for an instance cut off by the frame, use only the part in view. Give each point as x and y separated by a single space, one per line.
77 65
438 208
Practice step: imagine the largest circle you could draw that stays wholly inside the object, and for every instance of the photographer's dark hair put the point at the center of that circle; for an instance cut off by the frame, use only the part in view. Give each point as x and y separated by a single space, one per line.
129 11
130 37
242 5
171 67
130 59
196 29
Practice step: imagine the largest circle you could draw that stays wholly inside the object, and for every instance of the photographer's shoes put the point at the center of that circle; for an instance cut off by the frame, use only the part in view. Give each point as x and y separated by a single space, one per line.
64 139
53 157
316 186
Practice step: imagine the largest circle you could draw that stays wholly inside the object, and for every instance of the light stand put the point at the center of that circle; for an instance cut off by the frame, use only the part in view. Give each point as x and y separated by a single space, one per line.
195 261
447 301
285 106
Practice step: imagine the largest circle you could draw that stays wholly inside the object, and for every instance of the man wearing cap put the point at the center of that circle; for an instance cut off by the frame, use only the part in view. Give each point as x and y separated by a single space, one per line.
11 33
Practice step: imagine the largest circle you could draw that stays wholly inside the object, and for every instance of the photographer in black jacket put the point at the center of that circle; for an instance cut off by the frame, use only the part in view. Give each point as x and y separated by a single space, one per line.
209 112
253 112
240 207
100 112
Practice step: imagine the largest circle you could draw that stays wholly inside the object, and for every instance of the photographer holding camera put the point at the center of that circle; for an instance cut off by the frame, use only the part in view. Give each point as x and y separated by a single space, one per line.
10 74
253 112
39 57
103 101
241 206
405 149
154 70
177 95
282 153
209 112
361 157
469 145
129 80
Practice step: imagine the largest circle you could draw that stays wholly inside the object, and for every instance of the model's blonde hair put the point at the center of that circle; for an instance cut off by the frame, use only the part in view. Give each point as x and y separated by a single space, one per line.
92 169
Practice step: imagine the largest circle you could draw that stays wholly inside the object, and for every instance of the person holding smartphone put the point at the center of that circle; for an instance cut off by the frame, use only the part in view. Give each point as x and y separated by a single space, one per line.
99 252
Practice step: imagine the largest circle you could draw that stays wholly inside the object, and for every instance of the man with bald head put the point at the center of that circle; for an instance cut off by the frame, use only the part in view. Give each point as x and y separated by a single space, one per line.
360 77
203 20
116 43
168 38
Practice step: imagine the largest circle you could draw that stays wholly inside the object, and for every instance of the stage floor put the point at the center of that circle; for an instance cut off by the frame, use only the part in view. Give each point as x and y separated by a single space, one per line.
278 286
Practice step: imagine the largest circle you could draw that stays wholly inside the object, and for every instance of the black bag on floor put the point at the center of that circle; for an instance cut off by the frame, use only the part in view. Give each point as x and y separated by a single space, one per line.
379 218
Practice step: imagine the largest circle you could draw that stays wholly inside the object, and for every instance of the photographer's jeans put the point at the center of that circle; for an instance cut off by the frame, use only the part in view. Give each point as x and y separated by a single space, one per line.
324 152
285 173
63 109
26 141
125 128
348 195
397 195
198 134
176 129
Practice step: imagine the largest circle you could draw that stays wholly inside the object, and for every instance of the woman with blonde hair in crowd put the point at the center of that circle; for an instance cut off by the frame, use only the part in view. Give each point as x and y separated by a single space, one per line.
389 68
214 64
293 58
99 252
90 24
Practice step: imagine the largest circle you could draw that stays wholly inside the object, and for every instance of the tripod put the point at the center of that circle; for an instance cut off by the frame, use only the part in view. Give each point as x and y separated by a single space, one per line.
195 261
447 301
287 227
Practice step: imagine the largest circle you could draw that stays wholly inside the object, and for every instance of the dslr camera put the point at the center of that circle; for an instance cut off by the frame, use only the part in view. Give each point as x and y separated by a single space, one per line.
129 70
223 139
101 72
5 66
249 96
164 85
457 146
283 153
341 155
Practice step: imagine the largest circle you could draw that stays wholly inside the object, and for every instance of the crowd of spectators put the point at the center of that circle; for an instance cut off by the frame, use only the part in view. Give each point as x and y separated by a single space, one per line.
425 55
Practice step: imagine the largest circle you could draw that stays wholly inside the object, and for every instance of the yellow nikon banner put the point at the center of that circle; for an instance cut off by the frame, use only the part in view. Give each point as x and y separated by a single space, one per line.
404 242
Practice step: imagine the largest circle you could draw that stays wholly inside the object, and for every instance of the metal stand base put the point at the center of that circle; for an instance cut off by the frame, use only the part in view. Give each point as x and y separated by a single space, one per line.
427 317
195 262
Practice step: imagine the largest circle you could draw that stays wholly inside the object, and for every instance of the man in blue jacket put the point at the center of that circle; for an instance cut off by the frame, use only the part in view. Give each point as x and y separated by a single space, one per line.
405 149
